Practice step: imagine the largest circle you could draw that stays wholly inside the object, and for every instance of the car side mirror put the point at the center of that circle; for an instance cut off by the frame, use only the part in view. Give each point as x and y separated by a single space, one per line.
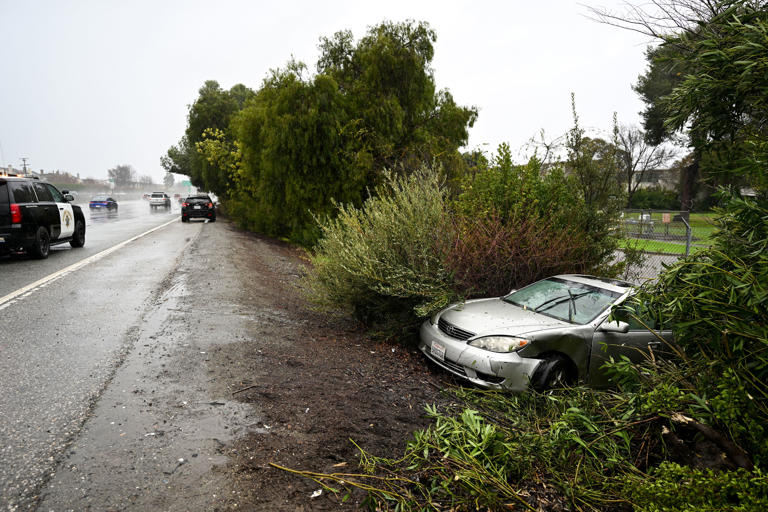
69 198
620 327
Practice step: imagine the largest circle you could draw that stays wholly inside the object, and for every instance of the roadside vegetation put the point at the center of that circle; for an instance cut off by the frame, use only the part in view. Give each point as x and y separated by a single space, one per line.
682 432
360 163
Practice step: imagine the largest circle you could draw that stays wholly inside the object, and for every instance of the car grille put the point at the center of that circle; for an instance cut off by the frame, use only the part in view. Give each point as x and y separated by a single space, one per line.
452 331
456 368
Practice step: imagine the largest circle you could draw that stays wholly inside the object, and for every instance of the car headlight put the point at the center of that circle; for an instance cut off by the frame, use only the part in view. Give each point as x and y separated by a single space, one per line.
500 343
435 318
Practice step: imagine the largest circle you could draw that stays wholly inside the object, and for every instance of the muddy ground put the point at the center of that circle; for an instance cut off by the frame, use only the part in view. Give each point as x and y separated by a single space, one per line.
319 384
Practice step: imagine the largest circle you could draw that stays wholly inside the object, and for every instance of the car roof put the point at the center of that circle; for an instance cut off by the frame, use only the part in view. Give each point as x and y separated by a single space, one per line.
615 285
18 178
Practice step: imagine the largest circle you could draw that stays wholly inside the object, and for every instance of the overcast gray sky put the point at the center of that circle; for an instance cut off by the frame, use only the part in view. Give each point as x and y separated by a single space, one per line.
87 85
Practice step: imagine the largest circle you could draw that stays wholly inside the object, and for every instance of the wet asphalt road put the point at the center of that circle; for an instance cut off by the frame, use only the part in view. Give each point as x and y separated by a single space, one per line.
103 230
79 359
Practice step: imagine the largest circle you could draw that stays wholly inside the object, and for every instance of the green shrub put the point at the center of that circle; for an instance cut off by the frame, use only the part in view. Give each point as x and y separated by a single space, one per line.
675 488
520 193
382 261
655 198
407 252
716 299
536 221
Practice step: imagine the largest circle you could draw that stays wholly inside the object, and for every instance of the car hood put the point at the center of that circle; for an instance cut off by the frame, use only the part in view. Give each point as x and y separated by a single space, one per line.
494 316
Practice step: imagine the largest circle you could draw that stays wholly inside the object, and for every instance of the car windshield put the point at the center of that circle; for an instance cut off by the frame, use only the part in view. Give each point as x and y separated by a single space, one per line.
573 302
99 199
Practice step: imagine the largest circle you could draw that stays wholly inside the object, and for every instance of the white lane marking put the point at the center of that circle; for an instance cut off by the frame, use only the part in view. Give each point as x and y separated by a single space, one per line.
30 288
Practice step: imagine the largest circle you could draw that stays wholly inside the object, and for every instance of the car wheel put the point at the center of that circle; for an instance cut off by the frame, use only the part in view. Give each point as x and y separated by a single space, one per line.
556 371
42 245
78 237
213 219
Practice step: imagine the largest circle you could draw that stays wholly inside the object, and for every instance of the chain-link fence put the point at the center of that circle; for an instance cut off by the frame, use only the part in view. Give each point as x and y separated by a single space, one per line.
662 237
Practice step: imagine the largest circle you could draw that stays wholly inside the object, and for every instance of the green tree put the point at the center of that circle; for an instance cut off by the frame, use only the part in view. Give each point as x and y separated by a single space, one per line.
726 92
178 158
706 79
213 109
296 154
401 118
290 151
309 142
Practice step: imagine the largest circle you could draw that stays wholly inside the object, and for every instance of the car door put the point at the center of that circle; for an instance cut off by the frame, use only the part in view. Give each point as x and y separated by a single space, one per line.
66 215
47 210
642 341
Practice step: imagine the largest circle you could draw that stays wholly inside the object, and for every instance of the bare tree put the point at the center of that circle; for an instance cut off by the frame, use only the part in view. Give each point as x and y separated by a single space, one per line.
122 175
666 20
637 157
168 180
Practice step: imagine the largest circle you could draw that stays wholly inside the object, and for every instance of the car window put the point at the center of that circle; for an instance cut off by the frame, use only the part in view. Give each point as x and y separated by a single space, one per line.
22 192
43 193
562 299
57 196
3 193
98 198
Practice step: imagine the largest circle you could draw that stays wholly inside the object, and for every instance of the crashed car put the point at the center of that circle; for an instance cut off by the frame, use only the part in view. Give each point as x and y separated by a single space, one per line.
553 332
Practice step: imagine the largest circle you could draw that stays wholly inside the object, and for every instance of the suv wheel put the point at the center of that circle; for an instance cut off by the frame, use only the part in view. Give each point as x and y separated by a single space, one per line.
78 237
42 245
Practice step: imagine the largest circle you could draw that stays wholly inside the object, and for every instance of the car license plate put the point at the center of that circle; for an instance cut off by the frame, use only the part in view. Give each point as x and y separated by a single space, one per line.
197 207
438 350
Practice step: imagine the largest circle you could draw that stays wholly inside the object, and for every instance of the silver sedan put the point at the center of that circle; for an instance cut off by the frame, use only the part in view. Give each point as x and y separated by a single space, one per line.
552 332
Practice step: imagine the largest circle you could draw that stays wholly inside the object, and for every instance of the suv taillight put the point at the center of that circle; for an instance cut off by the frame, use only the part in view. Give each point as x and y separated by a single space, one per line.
210 205
184 204
15 214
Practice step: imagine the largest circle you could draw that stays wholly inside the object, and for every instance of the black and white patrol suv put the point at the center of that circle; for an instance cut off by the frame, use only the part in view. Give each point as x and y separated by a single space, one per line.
34 215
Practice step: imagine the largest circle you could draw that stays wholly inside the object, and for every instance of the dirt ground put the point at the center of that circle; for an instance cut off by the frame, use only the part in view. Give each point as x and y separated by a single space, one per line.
319 384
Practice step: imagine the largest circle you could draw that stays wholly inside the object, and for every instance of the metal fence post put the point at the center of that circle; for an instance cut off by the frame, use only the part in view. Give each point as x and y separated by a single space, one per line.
688 236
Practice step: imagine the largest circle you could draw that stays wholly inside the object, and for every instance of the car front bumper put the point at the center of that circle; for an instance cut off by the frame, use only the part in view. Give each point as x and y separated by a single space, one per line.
492 370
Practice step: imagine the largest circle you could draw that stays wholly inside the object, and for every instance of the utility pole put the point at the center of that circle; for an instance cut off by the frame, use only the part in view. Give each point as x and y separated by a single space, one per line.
24 164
